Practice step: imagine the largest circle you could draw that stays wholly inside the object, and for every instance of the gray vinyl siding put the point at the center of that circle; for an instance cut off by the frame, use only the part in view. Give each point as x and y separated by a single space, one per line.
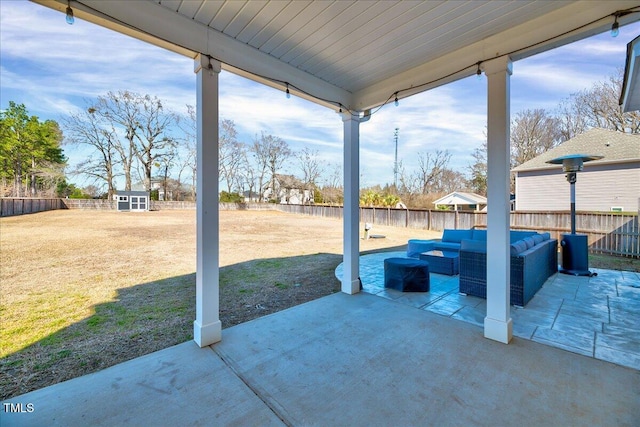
598 188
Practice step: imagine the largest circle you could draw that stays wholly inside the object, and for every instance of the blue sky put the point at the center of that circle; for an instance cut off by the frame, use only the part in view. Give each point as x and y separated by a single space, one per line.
53 67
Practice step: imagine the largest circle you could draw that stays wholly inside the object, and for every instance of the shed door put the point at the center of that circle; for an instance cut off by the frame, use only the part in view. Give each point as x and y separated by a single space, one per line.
138 203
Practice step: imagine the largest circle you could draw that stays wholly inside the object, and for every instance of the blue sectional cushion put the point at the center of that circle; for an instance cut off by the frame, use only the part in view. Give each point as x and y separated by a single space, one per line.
529 242
479 235
473 246
537 238
546 236
517 247
417 246
516 235
447 246
456 236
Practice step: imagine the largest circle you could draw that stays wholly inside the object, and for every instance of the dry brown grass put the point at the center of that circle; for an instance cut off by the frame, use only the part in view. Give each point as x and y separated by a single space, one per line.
83 290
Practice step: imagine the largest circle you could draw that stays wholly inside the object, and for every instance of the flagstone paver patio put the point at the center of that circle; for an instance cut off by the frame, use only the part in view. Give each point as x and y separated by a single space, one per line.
595 316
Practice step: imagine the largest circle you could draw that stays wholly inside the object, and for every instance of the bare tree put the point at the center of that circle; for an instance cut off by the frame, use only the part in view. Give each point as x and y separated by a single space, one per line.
152 135
570 123
120 119
408 187
451 181
247 174
430 169
187 152
332 191
230 154
310 167
598 107
144 126
269 152
91 129
478 170
165 164
533 132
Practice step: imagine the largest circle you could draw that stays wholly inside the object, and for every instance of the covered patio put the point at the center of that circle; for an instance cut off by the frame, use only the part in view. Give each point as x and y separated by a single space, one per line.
357 360
350 359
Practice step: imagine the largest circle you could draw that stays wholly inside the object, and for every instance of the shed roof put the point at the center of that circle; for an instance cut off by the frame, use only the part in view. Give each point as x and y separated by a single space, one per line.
461 198
616 147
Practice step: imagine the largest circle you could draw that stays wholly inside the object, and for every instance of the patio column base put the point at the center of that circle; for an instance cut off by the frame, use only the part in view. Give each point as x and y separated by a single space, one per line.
498 330
352 287
205 335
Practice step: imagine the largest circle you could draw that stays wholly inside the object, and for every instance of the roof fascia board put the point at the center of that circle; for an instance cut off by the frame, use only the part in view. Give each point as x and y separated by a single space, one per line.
155 24
516 40
602 162
630 97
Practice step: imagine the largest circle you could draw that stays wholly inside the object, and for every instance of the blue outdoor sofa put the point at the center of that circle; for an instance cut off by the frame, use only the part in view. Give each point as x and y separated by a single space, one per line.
534 258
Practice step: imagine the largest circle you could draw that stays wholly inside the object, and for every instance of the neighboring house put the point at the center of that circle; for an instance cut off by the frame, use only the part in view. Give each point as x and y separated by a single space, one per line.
251 196
462 201
132 201
158 184
609 184
289 191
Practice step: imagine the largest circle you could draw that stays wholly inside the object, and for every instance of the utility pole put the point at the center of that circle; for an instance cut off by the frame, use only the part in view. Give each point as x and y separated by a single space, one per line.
395 163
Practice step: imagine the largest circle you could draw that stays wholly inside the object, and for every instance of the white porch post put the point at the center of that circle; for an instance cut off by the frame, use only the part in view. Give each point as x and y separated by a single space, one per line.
207 328
497 324
351 212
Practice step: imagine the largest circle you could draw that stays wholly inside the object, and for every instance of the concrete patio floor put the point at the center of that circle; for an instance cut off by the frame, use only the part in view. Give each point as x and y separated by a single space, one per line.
345 360
596 316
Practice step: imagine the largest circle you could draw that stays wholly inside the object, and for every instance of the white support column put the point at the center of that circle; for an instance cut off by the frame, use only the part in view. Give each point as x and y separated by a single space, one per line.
207 328
351 212
497 324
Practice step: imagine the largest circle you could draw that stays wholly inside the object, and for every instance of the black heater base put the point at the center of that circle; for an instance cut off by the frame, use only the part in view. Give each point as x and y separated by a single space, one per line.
575 255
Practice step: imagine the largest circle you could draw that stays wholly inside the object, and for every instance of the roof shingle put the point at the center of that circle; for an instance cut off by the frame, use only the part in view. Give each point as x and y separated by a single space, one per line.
615 146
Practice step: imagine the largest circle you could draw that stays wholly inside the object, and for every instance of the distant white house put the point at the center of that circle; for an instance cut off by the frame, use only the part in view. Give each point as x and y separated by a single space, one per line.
157 184
289 190
609 184
462 201
251 196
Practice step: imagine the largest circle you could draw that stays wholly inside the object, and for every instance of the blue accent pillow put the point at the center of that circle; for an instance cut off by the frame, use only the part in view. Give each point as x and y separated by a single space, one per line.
529 242
546 236
517 247
538 238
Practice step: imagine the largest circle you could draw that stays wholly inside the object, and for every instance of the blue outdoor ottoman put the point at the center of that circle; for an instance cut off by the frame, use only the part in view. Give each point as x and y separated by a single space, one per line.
406 274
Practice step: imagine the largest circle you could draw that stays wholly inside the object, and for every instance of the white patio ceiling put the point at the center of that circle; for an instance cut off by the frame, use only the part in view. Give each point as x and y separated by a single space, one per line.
359 54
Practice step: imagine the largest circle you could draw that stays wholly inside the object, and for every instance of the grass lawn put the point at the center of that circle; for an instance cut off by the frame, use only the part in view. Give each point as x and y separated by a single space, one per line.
84 290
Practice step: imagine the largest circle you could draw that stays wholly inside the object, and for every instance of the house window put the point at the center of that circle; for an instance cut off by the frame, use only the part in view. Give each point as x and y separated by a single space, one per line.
123 198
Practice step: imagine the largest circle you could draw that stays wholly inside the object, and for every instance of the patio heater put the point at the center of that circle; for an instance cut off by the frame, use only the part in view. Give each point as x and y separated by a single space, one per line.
575 247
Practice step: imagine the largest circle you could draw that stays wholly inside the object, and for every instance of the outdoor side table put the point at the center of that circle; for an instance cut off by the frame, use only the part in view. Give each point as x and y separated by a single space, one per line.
442 262
406 274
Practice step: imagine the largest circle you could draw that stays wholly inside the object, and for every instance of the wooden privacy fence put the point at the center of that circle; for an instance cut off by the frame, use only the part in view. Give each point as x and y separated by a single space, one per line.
24 205
608 233
20 206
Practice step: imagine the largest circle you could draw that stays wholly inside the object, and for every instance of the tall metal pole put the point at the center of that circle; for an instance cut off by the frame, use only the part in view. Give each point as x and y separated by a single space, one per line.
395 163
571 177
